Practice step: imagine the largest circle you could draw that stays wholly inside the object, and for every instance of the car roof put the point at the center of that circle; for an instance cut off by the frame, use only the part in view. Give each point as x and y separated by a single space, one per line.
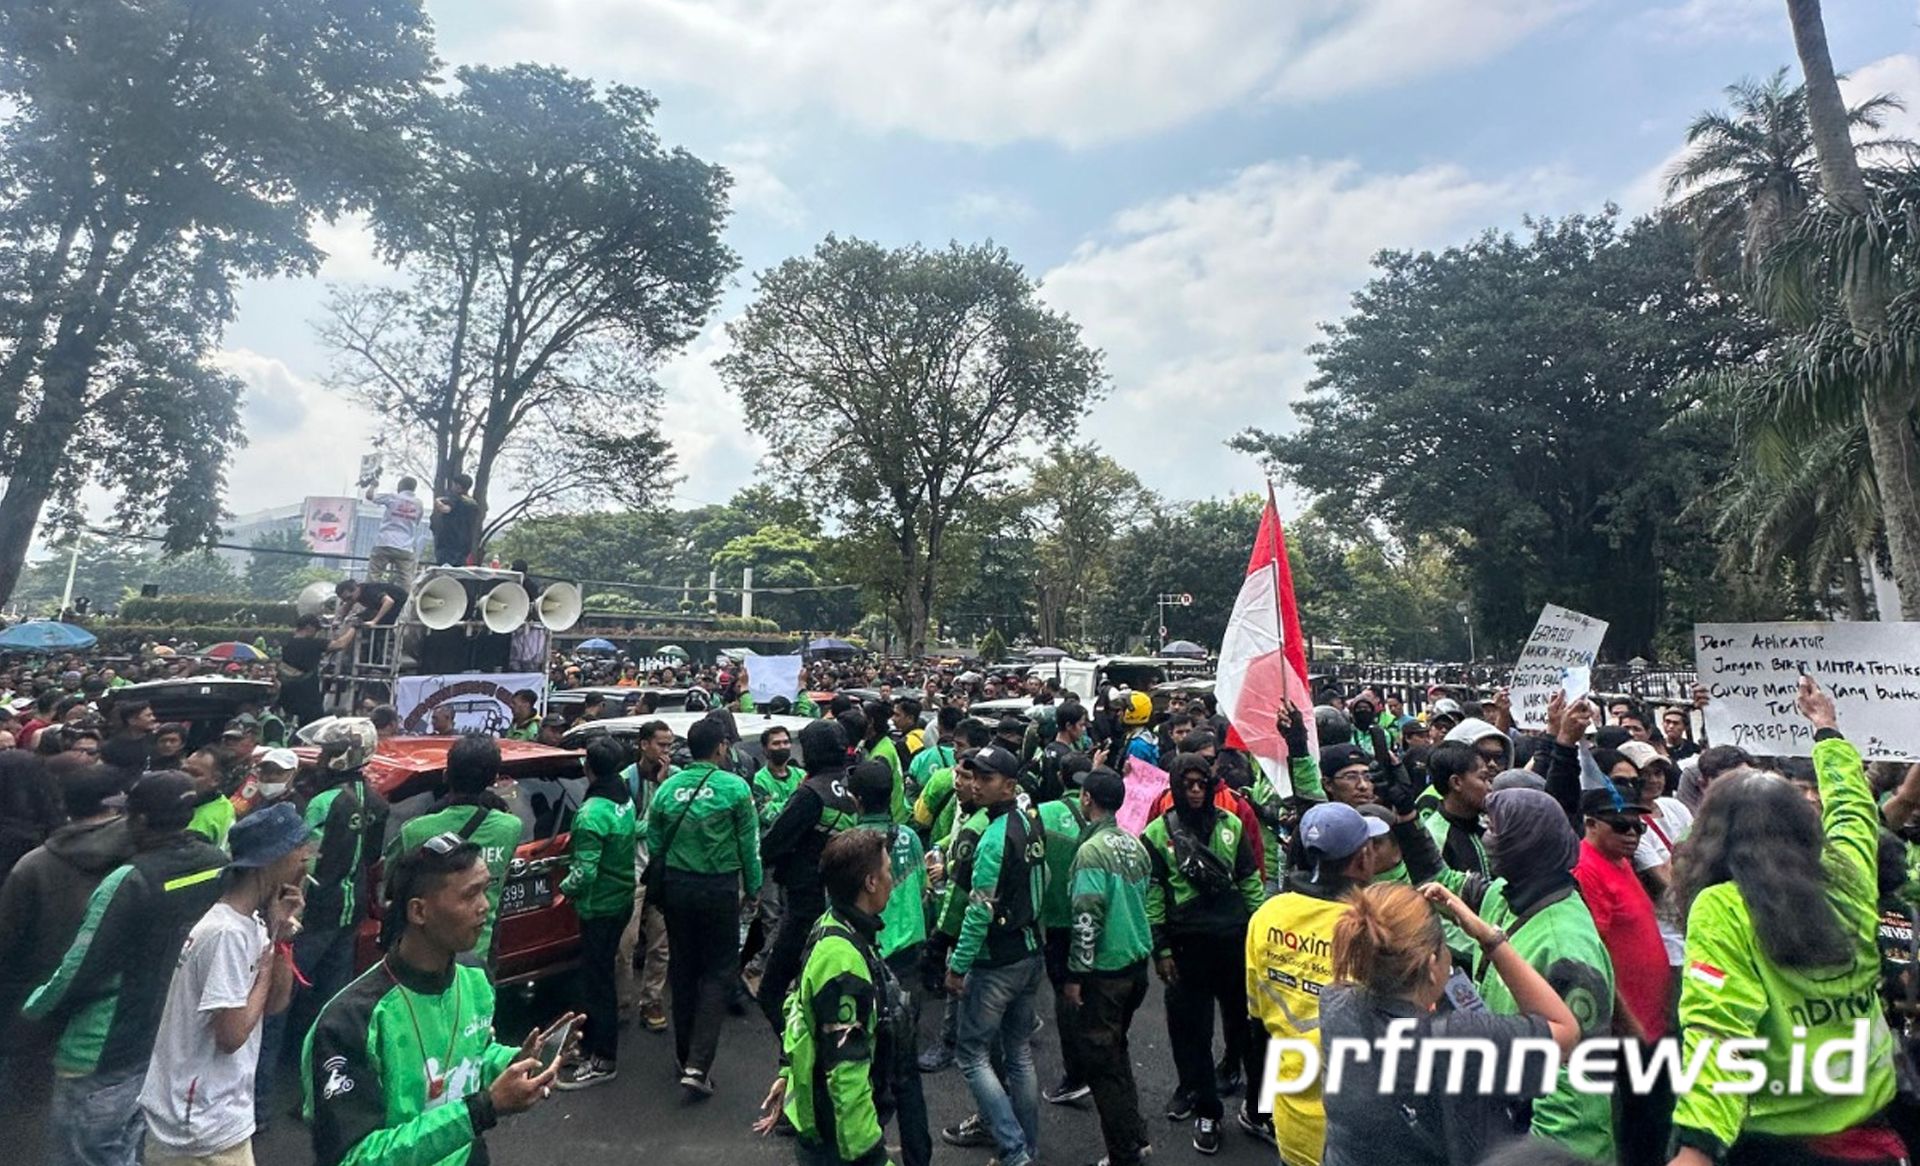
212 688
1003 705
751 725
400 759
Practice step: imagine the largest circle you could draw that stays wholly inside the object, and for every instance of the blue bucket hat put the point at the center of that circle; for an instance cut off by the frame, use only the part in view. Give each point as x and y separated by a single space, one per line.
264 837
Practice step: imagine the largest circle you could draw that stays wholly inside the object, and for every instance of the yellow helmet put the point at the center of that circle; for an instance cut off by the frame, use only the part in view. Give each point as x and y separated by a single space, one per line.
1139 707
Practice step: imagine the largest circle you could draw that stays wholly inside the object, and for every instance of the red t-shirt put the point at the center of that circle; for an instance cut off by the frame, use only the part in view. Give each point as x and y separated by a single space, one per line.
1623 914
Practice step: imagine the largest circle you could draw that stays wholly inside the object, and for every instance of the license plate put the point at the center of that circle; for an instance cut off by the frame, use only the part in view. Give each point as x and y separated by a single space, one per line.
526 894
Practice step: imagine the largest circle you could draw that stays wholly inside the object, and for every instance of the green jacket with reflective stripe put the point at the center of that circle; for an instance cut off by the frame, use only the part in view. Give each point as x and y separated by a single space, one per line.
346 822
833 1063
111 985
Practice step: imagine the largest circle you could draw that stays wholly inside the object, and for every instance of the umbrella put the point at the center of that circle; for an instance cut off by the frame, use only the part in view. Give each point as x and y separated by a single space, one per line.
829 644
1185 649
1047 654
41 634
598 645
234 650
674 650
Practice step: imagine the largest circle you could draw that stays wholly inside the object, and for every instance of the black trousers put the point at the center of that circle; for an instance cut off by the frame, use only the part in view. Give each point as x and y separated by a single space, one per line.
1210 973
1070 1049
1642 1123
1100 1026
599 989
910 1098
803 910
703 932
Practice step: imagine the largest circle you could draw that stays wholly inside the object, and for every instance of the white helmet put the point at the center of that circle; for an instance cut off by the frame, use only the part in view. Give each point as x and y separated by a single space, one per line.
345 742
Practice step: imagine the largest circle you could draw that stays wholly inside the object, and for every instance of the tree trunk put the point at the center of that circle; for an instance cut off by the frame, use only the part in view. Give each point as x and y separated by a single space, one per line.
63 399
1856 591
1888 408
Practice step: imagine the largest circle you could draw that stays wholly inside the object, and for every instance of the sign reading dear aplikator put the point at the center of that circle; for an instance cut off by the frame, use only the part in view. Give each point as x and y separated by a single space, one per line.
1562 647
1752 670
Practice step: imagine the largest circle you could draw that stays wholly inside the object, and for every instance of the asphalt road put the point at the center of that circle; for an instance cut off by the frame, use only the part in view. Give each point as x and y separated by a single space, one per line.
642 1113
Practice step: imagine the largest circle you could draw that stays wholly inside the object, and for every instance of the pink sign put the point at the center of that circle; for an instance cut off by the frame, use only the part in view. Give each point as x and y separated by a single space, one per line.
1145 784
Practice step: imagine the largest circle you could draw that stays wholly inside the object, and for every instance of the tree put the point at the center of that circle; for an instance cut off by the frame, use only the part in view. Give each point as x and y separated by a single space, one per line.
1750 172
921 375
1511 398
151 154
1080 499
1199 548
558 252
275 568
784 558
1859 276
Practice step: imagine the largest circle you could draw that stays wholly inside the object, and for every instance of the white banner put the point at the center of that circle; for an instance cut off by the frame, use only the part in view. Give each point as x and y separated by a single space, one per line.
771 676
1559 654
1752 670
327 524
482 701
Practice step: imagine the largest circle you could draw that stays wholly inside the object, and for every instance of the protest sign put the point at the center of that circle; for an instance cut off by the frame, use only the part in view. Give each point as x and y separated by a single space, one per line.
1558 656
1752 671
482 701
327 525
1145 784
772 676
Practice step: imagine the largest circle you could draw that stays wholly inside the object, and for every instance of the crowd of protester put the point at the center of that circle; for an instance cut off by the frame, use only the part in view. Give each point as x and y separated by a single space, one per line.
895 887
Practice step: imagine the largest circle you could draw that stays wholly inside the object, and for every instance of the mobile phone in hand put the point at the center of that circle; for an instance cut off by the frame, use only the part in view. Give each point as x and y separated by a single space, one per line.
553 1042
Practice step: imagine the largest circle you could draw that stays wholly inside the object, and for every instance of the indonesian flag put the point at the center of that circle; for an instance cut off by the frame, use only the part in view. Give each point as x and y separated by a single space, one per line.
1263 658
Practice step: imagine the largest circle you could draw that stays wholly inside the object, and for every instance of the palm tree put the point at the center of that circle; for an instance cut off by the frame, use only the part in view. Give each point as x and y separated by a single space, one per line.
1751 171
1862 276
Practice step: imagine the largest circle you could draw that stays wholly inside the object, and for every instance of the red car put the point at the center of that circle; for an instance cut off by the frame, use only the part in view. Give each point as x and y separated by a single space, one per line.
537 934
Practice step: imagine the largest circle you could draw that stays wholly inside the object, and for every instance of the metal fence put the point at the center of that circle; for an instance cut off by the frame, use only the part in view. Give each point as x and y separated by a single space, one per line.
1411 682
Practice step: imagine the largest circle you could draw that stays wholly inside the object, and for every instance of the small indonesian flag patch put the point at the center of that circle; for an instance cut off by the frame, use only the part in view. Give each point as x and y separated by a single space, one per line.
1707 974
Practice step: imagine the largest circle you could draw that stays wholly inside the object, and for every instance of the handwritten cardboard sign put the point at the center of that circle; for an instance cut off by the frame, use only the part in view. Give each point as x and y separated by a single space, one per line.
1559 654
1751 672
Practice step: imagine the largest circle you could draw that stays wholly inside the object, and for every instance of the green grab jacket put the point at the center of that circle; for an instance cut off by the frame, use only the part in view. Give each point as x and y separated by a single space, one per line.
1064 827
1109 881
885 750
1006 882
376 1091
935 807
497 836
903 922
836 1046
600 848
770 793
1729 989
960 852
346 821
721 833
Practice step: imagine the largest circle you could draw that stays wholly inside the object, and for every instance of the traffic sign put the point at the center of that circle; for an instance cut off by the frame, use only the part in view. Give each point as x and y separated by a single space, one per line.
1163 631
1186 599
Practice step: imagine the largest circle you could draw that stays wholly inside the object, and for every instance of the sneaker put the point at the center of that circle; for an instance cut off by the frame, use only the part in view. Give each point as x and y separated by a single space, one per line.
1180 1106
1146 1151
654 1017
1228 1079
696 1084
588 1073
1255 1125
1065 1093
970 1133
1206 1135
938 1057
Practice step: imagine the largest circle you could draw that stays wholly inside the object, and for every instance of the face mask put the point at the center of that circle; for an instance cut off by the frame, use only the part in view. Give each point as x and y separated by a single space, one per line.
271 790
778 756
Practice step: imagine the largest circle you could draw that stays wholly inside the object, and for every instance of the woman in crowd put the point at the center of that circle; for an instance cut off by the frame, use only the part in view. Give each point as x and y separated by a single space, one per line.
1391 963
1782 918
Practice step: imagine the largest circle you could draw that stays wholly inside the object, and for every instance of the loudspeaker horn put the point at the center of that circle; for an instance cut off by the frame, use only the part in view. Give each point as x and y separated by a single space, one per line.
314 598
440 603
505 608
558 606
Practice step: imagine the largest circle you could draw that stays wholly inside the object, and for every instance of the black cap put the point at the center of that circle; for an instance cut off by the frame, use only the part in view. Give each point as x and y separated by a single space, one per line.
1607 800
1107 788
1335 758
994 759
1011 727
165 799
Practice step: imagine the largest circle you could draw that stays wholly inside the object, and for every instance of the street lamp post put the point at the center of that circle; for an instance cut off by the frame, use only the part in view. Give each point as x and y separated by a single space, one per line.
1466 616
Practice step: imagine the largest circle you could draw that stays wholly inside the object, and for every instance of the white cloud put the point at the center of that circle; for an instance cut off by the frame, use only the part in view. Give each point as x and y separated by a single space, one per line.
351 255
1705 21
989 207
703 420
757 188
1206 302
993 71
301 439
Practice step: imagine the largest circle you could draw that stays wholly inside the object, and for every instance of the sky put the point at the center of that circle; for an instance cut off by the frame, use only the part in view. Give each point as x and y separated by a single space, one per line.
1199 185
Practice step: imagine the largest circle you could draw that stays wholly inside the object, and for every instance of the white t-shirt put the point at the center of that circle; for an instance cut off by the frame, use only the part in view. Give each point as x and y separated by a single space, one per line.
1667 826
400 524
198 1099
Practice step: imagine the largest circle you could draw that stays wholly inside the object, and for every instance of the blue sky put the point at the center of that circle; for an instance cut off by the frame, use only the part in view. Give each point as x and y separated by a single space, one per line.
1199 183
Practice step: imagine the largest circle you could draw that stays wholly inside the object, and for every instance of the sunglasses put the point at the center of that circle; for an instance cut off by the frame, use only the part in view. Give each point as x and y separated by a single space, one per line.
1196 782
1626 825
442 844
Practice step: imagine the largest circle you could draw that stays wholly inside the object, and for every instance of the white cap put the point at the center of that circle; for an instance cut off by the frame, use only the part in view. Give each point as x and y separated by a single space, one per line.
285 759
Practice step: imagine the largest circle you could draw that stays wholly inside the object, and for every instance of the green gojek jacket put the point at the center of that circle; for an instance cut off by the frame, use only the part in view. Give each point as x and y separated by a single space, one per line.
1006 882
600 848
927 762
497 836
1108 885
885 750
903 923
396 1069
1559 940
1176 907
1064 827
961 845
770 793
1268 804
720 833
936 807
1731 990
346 821
836 1048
